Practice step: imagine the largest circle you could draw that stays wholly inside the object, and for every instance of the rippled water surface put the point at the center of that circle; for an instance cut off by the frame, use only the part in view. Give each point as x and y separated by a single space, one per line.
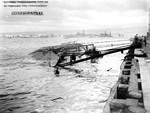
30 86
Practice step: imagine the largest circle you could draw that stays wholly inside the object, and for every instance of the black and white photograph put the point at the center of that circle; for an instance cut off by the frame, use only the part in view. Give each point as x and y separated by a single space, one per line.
74 56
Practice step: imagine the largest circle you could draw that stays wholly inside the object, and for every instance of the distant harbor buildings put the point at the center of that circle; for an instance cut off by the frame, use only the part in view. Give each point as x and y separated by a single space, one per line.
23 36
83 34
105 34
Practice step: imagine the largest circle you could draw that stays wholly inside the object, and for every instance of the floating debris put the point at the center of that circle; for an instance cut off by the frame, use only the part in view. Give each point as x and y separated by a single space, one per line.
109 69
57 99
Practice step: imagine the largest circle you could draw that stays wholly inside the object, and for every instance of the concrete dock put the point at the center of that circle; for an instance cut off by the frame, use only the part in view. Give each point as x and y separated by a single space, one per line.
131 93
144 64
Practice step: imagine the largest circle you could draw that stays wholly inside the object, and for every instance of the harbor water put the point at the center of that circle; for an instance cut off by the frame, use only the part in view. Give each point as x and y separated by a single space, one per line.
30 86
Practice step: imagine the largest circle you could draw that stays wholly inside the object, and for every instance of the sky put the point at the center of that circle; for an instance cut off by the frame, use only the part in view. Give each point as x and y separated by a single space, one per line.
66 15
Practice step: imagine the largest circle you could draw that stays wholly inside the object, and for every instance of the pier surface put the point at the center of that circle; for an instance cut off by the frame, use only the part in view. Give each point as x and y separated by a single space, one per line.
144 64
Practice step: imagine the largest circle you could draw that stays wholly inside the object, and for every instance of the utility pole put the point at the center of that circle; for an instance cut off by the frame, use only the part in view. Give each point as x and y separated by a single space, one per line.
148 33
149 22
